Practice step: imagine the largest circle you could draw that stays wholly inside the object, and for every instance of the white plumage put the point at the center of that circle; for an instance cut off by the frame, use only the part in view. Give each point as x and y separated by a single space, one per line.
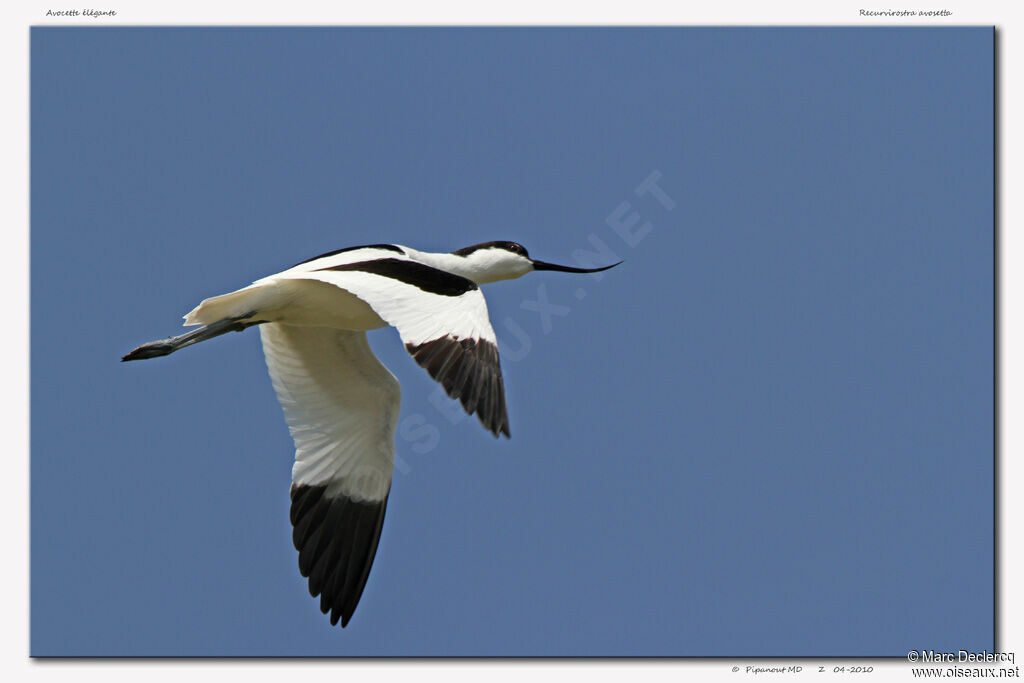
341 404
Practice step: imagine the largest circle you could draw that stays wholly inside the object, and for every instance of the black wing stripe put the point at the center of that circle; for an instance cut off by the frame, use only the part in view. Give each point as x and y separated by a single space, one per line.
413 273
337 539
386 247
469 370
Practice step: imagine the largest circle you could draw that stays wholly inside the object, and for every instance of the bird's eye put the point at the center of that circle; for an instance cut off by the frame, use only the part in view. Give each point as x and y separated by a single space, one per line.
516 248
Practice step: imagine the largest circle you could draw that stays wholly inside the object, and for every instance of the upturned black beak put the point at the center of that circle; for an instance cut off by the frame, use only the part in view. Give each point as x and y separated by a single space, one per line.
540 265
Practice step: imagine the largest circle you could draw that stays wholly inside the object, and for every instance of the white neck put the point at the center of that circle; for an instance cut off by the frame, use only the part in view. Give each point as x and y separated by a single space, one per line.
481 267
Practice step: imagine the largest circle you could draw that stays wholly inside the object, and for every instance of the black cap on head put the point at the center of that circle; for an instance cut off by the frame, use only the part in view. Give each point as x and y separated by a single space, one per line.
514 247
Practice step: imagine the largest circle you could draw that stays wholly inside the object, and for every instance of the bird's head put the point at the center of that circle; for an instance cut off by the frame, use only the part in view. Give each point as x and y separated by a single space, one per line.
493 261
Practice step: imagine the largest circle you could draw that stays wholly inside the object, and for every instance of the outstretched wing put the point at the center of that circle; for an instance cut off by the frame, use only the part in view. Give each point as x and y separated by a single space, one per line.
341 405
441 318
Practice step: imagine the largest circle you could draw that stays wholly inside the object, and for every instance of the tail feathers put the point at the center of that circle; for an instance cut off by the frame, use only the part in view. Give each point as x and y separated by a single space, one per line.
164 347
230 305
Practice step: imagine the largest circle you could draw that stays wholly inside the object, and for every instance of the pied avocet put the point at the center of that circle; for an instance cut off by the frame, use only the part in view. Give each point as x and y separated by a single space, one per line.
340 402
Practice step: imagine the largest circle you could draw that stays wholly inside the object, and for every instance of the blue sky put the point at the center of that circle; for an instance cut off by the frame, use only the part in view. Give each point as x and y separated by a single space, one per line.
769 432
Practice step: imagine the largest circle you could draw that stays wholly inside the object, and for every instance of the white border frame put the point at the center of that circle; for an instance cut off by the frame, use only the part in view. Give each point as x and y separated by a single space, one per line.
14 151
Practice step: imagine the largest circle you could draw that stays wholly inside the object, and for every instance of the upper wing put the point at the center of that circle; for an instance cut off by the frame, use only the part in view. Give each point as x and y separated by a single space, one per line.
442 319
341 406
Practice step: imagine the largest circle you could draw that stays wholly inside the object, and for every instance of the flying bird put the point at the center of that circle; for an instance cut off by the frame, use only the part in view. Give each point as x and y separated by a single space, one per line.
341 404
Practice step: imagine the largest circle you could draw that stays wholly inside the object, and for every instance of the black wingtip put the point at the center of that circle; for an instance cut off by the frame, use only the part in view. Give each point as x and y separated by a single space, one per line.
469 371
337 539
